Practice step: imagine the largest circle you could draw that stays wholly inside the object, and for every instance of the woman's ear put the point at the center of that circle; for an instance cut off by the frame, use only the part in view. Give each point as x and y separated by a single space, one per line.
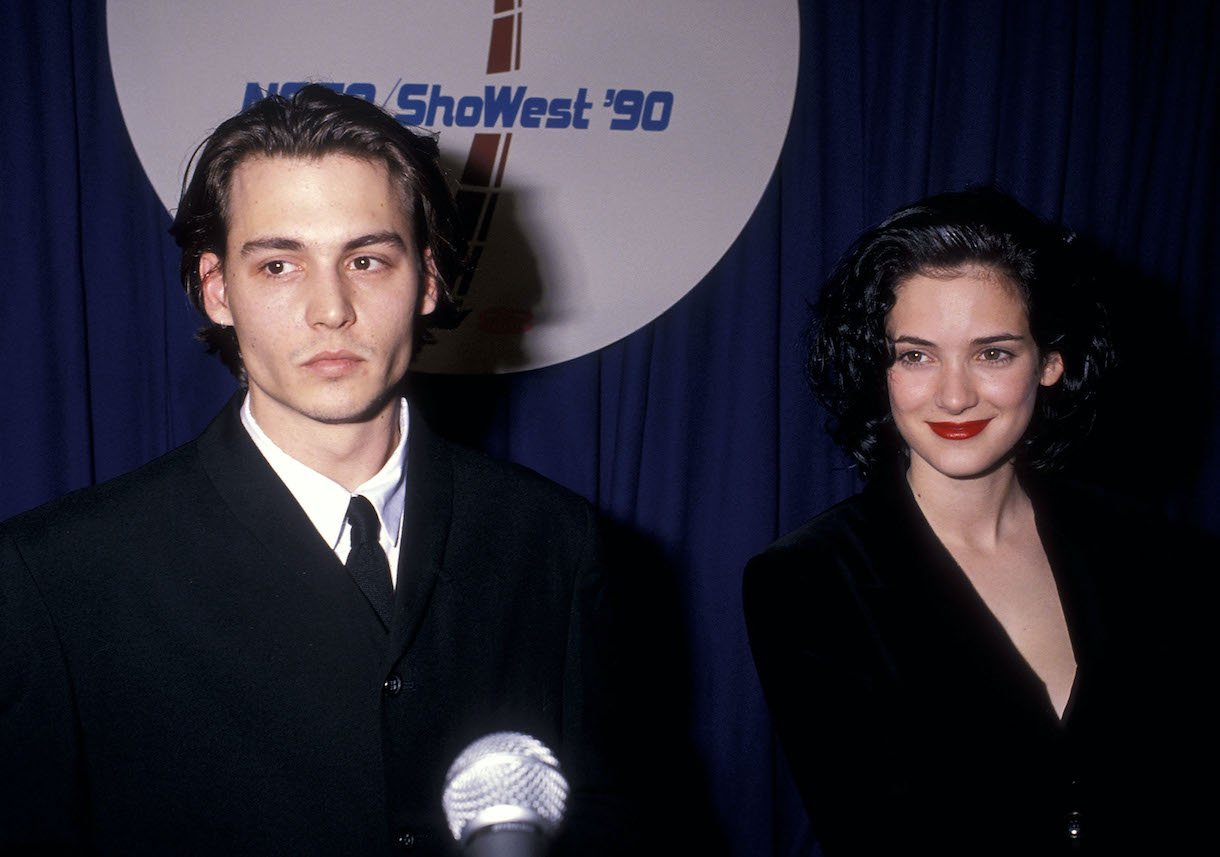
1052 369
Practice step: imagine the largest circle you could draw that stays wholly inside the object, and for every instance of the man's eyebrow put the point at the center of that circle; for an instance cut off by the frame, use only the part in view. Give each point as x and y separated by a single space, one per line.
276 242
387 237
271 243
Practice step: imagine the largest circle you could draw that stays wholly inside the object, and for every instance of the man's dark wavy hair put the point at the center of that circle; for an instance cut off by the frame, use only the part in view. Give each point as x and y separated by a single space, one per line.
850 353
313 122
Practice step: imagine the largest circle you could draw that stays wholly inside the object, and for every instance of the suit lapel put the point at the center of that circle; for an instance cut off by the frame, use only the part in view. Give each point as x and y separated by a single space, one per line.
427 518
256 496
264 507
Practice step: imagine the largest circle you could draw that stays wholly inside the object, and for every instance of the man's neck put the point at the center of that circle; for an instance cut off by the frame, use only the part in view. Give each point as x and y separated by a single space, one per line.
349 453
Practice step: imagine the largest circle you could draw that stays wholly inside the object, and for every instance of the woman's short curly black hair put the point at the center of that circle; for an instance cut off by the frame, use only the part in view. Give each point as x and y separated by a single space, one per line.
850 353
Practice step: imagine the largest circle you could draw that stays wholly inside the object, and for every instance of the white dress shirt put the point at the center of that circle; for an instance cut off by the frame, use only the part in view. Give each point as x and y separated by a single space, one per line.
325 501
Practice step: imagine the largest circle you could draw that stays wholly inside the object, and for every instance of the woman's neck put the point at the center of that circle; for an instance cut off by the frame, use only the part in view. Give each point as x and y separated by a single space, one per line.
978 512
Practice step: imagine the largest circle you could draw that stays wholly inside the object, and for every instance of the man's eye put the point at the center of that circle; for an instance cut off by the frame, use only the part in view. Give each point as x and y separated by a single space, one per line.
276 267
366 263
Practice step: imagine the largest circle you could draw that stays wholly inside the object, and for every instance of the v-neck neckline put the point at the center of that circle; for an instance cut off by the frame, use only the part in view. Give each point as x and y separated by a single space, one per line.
961 606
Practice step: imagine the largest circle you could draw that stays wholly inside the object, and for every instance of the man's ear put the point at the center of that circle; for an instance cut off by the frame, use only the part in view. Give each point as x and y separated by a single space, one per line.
429 285
212 287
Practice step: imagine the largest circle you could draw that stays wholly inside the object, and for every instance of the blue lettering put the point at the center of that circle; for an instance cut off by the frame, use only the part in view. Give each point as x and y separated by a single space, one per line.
416 108
255 94
436 102
505 106
660 99
559 115
579 120
498 106
288 89
502 105
628 104
532 112
469 109
363 90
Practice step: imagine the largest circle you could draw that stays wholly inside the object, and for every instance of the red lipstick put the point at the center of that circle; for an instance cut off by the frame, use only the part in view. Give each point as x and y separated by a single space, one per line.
959 431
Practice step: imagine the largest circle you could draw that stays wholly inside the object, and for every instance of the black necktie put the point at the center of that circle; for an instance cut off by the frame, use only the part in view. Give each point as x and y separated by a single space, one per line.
367 563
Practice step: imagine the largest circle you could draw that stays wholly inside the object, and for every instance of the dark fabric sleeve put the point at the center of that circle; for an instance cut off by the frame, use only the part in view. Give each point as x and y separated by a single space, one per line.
824 679
40 785
594 819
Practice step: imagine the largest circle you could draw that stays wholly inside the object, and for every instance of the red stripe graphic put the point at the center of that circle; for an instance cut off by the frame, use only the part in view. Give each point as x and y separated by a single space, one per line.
479 188
504 53
477 194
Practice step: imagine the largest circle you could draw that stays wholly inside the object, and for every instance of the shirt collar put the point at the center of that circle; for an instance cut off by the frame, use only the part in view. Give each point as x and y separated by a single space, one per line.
324 500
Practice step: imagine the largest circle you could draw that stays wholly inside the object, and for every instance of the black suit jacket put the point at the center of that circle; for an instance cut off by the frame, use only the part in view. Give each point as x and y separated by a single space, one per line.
910 721
186 668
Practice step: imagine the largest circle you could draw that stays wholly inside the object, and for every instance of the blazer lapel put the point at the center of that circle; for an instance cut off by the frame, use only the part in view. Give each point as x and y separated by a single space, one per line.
1074 543
950 612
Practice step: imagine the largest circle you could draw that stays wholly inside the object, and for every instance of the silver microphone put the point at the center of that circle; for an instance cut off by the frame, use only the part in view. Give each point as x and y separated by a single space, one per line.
505 796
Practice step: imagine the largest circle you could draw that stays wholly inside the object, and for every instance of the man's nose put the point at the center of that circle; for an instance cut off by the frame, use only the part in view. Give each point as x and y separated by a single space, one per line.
330 300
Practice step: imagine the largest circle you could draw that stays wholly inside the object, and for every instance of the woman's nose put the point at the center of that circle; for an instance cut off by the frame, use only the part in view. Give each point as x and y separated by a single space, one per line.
956 393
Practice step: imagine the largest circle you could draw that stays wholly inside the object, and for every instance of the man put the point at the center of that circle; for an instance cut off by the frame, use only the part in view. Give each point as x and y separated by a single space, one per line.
276 638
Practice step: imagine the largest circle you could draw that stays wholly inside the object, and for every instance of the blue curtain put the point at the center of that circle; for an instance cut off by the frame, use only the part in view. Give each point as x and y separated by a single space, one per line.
695 435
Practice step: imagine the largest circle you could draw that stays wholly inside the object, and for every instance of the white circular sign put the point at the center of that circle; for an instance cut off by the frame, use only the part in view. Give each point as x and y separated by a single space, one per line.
605 154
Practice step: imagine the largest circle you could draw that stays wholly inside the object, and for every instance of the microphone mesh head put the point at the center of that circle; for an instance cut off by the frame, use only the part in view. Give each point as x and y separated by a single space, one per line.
504 777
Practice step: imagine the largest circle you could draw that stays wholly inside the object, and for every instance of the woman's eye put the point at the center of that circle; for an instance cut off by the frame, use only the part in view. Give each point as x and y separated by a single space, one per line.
912 357
991 355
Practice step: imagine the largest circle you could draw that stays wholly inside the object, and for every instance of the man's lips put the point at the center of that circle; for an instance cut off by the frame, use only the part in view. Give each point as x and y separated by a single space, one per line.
332 363
959 431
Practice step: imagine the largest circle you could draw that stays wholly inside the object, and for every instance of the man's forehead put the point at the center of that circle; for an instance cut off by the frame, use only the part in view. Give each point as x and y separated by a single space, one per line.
255 162
283 198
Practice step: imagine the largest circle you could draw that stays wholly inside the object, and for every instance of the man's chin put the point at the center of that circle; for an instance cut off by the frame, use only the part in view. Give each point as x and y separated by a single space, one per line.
329 406
353 413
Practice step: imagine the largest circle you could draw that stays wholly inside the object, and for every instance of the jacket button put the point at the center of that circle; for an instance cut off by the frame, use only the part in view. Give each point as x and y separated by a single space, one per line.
392 685
406 839
1073 826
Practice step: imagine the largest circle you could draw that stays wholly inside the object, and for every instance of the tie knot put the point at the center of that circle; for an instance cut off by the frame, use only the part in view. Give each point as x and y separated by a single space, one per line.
363 518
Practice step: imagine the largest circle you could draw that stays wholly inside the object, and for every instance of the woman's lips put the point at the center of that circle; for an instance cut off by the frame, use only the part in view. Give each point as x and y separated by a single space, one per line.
959 431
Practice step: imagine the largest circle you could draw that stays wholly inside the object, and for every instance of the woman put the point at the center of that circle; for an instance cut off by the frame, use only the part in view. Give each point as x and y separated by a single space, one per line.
971 657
